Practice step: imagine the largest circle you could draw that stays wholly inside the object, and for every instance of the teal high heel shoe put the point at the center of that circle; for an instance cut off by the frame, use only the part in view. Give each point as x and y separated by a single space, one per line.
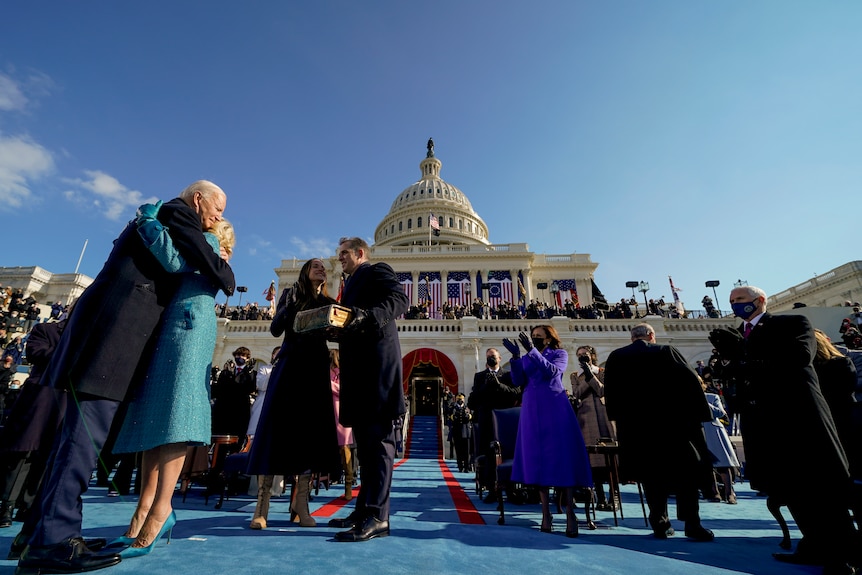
120 542
168 528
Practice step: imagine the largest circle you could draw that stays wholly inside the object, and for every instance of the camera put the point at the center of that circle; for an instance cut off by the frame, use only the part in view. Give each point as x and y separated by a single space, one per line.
584 358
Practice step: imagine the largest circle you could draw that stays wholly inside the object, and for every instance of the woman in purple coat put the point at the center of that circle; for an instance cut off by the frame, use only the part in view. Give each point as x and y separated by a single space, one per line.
549 450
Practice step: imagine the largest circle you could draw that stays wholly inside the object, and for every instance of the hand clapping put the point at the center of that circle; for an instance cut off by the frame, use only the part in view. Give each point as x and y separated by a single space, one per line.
525 341
512 347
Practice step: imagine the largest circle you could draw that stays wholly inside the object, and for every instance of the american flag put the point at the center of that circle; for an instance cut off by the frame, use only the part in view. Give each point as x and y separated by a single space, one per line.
568 291
435 224
406 281
456 288
430 288
501 288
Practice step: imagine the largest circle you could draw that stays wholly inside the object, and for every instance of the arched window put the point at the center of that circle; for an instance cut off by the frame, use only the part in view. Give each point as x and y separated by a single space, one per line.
400 226
409 223
393 229
451 222
419 222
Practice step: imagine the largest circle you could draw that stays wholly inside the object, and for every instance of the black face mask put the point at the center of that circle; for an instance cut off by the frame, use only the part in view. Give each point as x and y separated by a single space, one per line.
492 361
539 343
240 361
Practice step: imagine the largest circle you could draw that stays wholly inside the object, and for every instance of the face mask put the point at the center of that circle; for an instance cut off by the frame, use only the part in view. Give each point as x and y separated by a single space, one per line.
743 309
538 343
239 361
492 361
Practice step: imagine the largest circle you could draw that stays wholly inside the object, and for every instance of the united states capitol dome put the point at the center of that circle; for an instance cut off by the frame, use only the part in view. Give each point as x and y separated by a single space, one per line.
407 222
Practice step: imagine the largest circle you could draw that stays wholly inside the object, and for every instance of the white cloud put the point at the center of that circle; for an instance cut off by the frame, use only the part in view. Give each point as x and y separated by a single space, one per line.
107 194
11 96
313 248
21 162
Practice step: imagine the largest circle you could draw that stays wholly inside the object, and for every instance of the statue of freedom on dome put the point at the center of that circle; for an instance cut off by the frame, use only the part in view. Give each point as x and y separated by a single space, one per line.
430 153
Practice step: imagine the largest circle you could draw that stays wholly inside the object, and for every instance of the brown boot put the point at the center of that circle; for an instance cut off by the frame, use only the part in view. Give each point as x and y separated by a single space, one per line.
347 463
299 505
261 511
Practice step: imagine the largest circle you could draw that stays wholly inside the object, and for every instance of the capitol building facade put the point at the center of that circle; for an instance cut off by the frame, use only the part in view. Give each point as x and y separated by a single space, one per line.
451 260
441 250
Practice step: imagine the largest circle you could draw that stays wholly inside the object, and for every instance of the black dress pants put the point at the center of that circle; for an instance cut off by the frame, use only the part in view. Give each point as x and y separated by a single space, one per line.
375 443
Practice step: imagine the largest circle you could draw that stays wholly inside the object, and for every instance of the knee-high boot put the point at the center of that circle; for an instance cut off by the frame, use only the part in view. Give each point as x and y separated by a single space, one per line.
261 511
299 505
347 464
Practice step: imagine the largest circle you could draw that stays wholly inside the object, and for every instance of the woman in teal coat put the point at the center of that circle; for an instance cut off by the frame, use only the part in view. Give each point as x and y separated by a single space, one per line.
171 409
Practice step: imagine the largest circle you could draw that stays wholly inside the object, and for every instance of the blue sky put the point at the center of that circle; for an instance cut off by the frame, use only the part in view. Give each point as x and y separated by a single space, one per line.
700 140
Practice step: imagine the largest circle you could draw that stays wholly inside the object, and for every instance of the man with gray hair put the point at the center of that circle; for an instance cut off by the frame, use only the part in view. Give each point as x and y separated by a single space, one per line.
662 447
785 420
103 353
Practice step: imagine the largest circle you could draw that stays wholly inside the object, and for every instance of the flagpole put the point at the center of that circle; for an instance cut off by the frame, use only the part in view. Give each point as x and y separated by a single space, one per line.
430 215
81 257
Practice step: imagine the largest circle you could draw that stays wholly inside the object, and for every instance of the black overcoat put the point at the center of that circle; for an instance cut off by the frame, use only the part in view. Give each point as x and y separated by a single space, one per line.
105 342
659 406
37 413
785 418
296 430
371 371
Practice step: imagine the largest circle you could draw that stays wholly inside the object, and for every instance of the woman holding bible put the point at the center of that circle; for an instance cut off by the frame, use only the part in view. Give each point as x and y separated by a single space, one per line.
296 432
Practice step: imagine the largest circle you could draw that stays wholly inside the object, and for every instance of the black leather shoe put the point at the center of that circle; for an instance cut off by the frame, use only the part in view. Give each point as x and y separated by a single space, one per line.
371 528
71 556
659 534
348 522
20 543
699 533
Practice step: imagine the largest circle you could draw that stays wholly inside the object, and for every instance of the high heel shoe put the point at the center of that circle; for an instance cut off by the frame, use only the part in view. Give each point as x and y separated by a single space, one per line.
167 527
120 542
571 525
547 525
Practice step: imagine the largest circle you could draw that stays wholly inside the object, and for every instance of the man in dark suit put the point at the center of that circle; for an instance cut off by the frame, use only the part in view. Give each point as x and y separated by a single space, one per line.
103 351
372 397
659 406
786 423
492 389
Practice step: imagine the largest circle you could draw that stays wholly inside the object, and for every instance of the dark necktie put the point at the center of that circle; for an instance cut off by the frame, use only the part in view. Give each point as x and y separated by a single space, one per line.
747 332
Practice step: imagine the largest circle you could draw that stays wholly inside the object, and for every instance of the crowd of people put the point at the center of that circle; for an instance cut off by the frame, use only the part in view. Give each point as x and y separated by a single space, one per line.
102 390
538 309
677 443
150 362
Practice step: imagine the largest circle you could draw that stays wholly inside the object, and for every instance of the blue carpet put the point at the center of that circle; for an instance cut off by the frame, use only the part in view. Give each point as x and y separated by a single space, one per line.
430 536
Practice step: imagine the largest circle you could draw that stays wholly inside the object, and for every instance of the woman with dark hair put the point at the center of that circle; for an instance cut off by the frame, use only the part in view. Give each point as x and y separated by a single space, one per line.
549 449
588 390
296 434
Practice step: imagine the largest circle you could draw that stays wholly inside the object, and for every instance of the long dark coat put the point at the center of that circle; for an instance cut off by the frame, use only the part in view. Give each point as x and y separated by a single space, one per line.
37 413
785 418
490 391
838 379
592 415
231 393
104 345
296 430
659 407
371 371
